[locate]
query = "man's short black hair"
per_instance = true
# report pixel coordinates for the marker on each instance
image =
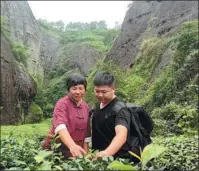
(76, 79)
(103, 78)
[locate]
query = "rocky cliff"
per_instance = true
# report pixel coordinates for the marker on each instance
(50, 50)
(24, 30)
(149, 18)
(17, 87)
(46, 51)
(78, 56)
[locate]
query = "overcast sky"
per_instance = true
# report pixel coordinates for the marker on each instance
(80, 11)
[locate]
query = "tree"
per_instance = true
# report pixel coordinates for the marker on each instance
(60, 25)
(102, 24)
(93, 25)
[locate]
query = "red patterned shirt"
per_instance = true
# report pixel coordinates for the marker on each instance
(74, 117)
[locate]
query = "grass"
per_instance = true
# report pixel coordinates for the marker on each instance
(26, 130)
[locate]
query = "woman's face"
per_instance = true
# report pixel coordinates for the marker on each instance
(77, 92)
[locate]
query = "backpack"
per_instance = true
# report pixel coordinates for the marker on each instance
(140, 121)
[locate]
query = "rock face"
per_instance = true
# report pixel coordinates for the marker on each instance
(17, 87)
(78, 56)
(151, 17)
(50, 50)
(25, 30)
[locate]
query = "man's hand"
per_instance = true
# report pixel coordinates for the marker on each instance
(101, 154)
(76, 151)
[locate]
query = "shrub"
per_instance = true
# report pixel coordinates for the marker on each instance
(48, 110)
(172, 84)
(150, 55)
(174, 118)
(18, 152)
(131, 87)
(182, 154)
(20, 53)
(35, 114)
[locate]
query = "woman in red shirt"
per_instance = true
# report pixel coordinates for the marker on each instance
(71, 119)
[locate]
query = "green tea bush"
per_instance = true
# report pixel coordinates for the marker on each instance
(35, 114)
(175, 118)
(18, 152)
(182, 154)
(23, 153)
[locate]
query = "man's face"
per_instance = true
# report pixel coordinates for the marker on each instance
(104, 93)
(77, 92)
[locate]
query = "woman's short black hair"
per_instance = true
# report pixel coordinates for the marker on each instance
(76, 79)
(103, 78)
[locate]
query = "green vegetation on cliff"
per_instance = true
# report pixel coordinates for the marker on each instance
(20, 52)
(171, 90)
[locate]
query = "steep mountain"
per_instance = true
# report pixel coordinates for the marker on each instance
(156, 45)
(17, 86)
(29, 52)
(149, 18)
(24, 30)
(155, 57)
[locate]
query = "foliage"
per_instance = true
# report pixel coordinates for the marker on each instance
(186, 41)
(182, 153)
(117, 165)
(29, 156)
(52, 27)
(5, 31)
(35, 114)
(48, 110)
(86, 26)
(150, 151)
(20, 52)
(109, 35)
(175, 118)
(26, 130)
(60, 26)
(17, 153)
(56, 89)
(131, 86)
(98, 45)
(101, 39)
(150, 55)
(173, 84)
